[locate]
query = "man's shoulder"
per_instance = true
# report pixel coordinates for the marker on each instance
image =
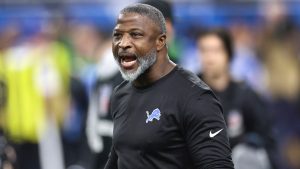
(120, 92)
(123, 86)
(191, 81)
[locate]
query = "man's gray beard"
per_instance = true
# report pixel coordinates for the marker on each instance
(144, 63)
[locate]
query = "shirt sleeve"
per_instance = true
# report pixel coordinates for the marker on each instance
(112, 162)
(206, 133)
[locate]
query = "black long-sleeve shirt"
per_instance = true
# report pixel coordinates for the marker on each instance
(175, 123)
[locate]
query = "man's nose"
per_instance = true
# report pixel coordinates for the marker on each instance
(125, 42)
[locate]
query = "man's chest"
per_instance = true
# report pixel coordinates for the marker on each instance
(147, 123)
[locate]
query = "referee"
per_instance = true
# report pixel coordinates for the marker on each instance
(164, 116)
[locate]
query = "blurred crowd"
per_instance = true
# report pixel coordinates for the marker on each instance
(57, 75)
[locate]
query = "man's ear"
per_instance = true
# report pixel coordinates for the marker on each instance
(161, 42)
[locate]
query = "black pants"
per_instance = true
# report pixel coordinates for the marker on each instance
(27, 156)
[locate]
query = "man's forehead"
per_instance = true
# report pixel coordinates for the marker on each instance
(131, 17)
(134, 19)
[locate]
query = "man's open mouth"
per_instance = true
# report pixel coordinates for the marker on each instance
(128, 61)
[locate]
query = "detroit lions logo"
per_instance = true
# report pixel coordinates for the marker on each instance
(154, 115)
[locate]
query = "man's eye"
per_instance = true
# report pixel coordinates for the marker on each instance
(116, 35)
(136, 34)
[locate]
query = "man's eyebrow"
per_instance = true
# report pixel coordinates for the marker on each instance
(130, 30)
(136, 29)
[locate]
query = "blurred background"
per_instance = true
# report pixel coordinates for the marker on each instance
(57, 73)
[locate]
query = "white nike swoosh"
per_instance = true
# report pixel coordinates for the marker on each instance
(211, 135)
